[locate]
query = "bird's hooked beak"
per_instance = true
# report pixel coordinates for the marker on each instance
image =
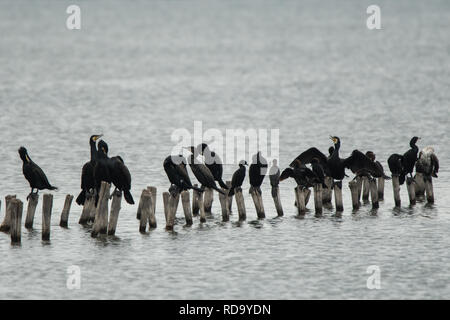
(95, 138)
(333, 139)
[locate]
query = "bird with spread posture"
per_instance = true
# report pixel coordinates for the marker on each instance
(317, 169)
(238, 177)
(257, 171)
(87, 172)
(175, 168)
(201, 171)
(371, 155)
(34, 174)
(428, 162)
(274, 175)
(303, 176)
(213, 162)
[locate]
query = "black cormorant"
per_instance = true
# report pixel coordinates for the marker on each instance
(410, 157)
(101, 168)
(428, 162)
(395, 163)
(201, 171)
(257, 171)
(274, 175)
(87, 173)
(213, 162)
(303, 176)
(238, 177)
(318, 171)
(175, 168)
(371, 155)
(120, 177)
(333, 165)
(34, 174)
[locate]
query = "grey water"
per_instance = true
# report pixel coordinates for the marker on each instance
(137, 71)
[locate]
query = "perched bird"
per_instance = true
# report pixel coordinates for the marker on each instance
(371, 155)
(274, 175)
(34, 174)
(87, 173)
(201, 171)
(175, 168)
(318, 171)
(428, 162)
(303, 176)
(120, 177)
(410, 157)
(213, 162)
(101, 168)
(395, 163)
(334, 166)
(238, 177)
(257, 171)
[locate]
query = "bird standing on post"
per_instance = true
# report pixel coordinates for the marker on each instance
(257, 171)
(238, 177)
(34, 174)
(176, 171)
(213, 163)
(274, 175)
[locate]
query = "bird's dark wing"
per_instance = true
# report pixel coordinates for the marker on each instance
(435, 163)
(306, 157)
(40, 177)
(359, 161)
(183, 174)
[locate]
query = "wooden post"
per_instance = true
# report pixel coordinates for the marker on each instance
(359, 183)
(230, 198)
(307, 196)
(277, 201)
(410, 186)
(420, 184)
(353, 185)
(223, 198)
(16, 208)
(208, 200)
(202, 207)
(429, 189)
(300, 200)
(195, 206)
(65, 212)
(318, 199)
(146, 206)
(396, 189)
(173, 203)
(31, 209)
(166, 196)
(366, 189)
(381, 188)
(6, 224)
(114, 213)
(374, 193)
(327, 192)
(257, 200)
(152, 215)
(92, 209)
(239, 197)
(338, 196)
(101, 214)
(88, 207)
(186, 207)
(47, 206)
(139, 209)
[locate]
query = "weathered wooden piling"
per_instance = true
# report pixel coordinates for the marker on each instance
(359, 182)
(114, 213)
(31, 210)
(208, 198)
(381, 188)
(145, 210)
(353, 185)
(338, 196)
(429, 189)
(16, 208)
(240, 203)
(374, 193)
(328, 191)
(307, 196)
(277, 201)
(6, 224)
(139, 208)
(195, 206)
(152, 215)
(202, 207)
(410, 186)
(92, 209)
(101, 214)
(223, 198)
(171, 211)
(230, 198)
(63, 222)
(185, 201)
(47, 207)
(420, 185)
(88, 207)
(257, 200)
(318, 202)
(365, 189)
(166, 196)
(300, 200)
(396, 189)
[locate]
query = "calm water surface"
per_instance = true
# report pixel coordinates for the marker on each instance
(138, 71)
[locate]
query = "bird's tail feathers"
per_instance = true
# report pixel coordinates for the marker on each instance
(222, 184)
(81, 198)
(128, 196)
(219, 191)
